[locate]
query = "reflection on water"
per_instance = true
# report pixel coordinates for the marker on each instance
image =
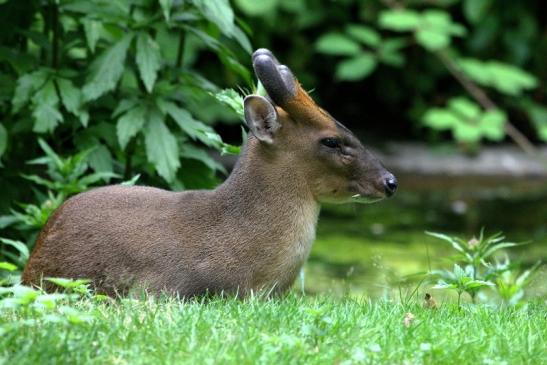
(369, 249)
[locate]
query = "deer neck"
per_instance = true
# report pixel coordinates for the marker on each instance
(267, 187)
(269, 197)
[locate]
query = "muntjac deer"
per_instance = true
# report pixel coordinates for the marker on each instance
(253, 232)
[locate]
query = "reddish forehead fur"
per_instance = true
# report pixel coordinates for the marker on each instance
(302, 108)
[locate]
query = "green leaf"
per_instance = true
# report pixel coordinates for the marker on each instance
(100, 159)
(443, 285)
(337, 44)
(242, 39)
(436, 19)
(506, 78)
(95, 178)
(454, 242)
(525, 277)
(21, 248)
(24, 294)
(499, 246)
(68, 283)
(92, 30)
(440, 21)
(219, 12)
(3, 140)
(399, 20)
(132, 181)
(161, 146)
(364, 34)
(72, 100)
(465, 108)
(257, 8)
(492, 124)
(40, 181)
(475, 70)
(193, 128)
(356, 68)
(233, 99)
(7, 220)
(467, 132)
(440, 119)
(107, 69)
(192, 152)
(388, 51)
(54, 157)
(228, 149)
(474, 284)
(432, 40)
(538, 115)
(129, 124)
(148, 59)
(46, 113)
(7, 266)
(510, 79)
(475, 10)
(457, 30)
(166, 8)
(26, 86)
(70, 95)
(124, 106)
(459, 272)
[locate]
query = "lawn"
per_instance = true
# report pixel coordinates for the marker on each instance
(296, 330)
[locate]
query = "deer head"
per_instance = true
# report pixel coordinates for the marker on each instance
(288, 124)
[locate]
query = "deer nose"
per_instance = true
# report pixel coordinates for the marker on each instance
(390, 185)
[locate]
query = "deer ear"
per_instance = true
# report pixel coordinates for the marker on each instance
(261, 118)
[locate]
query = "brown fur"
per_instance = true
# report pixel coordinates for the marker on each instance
(253, 232)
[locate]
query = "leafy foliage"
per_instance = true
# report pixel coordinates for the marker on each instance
(510, 283)
(119, 88)
(467, 121)
(478, 270)
(433, 28)
(43, 307)
(366, 49)
(394, 54)
(103, 73)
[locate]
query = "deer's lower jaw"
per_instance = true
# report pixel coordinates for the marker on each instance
(356, 198)
(363, 199)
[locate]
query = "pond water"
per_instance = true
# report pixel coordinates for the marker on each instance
(374, 250)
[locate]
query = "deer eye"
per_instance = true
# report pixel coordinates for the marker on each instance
(331, 142)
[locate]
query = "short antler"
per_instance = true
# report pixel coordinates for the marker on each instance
(283, 88)
(277, 79)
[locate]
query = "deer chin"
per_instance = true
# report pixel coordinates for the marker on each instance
(364, 199)
(356, 198)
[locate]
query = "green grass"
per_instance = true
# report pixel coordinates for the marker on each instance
(291, 330)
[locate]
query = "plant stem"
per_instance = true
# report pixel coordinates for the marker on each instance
(459, 298)
(45, 32)
(482, 98)
(55, 41)
(129, 152)
(182, 36)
